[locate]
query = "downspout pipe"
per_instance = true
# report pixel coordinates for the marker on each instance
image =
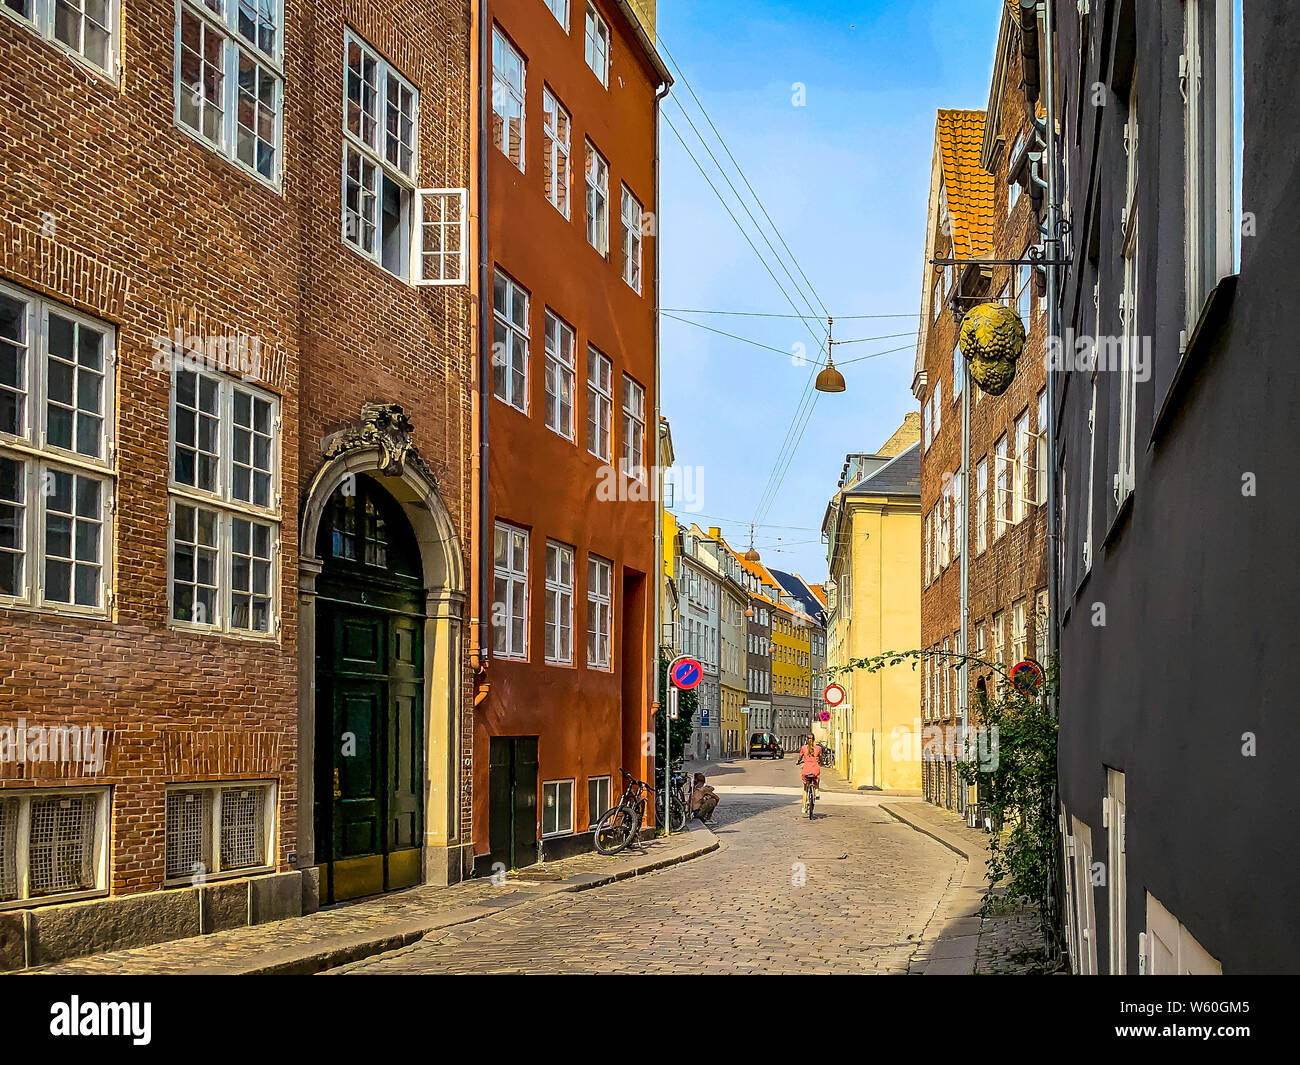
(658, 694)
(484, 349)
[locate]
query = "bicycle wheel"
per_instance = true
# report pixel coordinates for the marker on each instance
(812, 797)
(679, 816)
(614, 831)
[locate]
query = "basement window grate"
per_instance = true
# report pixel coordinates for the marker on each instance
(8, 849)
(61, 845)
(217, 828)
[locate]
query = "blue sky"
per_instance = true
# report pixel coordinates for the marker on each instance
(845, 178)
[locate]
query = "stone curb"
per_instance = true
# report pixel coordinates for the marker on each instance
(954, 844)
(343, 950)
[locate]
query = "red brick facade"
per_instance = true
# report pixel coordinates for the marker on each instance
(113, 209)
(1010, 570)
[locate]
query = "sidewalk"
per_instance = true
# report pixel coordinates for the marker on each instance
(966, 943)
(352, 931)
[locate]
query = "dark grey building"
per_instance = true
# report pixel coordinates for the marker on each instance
(1176, 460)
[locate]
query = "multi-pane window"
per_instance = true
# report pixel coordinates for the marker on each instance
(1019, 632)
(555, 156)
(57, 409)
(219, 828)
(559, 376)
(230, 78)
(1126, 454)
(559, 604)
(224, 503)
(596, 47)
(1040, 446)
(632, 222)
(981, 505)
(600, 599)
(1002, 474)
(382, 204)
(600, 403)
(89, 29)
(53, 843)
(508, 71)
(510, 592)
(633, 428)
(560, 9)
(936, 410)
(597, 200)
(1024, 291)
(925, 550)
(958, 372)
(510, 342)
(557, 807)
(925, 427)
(598, 798)
(999, 627)
(1210, 79)
(945, 523)
(1026, 480)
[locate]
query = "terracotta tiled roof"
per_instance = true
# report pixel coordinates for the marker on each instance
(969, 187)
(820, 592)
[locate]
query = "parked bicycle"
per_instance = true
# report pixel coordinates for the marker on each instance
(827, 756)
(621, 825)
(679, 803)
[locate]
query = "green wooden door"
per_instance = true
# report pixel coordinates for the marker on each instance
(369, 809)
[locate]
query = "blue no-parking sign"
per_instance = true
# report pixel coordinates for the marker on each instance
(686, 673)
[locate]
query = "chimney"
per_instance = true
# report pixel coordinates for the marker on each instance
(715, 532)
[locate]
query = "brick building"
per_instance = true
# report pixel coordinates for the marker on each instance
(981, 207)
(237, 575)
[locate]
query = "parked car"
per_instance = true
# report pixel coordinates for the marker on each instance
(764, 745)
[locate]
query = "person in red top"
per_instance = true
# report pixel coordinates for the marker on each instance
(810, 764)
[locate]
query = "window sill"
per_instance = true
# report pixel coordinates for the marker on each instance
(226, 874)
(276, 186)
(268, 638)
(1121, 513)
(507, 403)
(61, 611)
(1207, 330)
(53, 900)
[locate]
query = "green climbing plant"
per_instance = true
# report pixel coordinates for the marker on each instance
(1016, 785)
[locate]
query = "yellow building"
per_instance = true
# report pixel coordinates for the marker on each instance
(873, 528)
(791, 673)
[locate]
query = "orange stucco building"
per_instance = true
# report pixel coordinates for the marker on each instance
(570, 112)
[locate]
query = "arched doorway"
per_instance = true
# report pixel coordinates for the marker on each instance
(370, 616)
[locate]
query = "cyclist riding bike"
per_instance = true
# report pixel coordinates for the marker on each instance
(810, 766)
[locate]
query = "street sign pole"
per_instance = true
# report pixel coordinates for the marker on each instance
(687, 678)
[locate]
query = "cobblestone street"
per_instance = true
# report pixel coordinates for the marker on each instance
(852, 891)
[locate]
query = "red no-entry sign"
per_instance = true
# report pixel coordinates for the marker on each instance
(834, 695)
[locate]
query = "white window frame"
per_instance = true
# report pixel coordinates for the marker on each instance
(560, 341)
(1003, 486)
(1092, 468)
(1024, 290)
(600, 404)
(515, 574)
(596, 169)
(227, 507)
(557, 166)
(958, 371)
(559, 605)
(633, 453)
(41, 459)
(513, 331)
(1041, 453)
(603, 783)
(1212, 205)
(981, 505)
(998, 624)
(374, 154)
(505, 92)
(1126, 456)
(558, 830)
(632, 215)
(41, 21)
(597, 44)
(441, 215)
(1019, 630)
(600, 603)
(218, 790)
(24, 798)
(234, 46)
(1025, 481)
(560, 9)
